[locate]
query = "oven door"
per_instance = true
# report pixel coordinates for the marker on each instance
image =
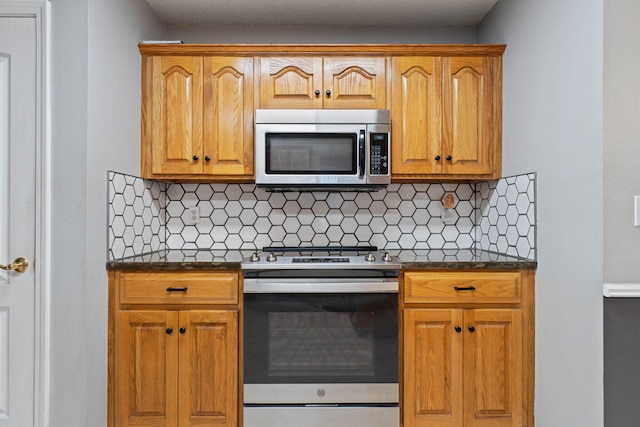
(321, 348)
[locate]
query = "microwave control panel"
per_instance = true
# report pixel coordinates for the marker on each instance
(379, 154)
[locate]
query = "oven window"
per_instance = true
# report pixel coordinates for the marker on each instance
(321, 343)
(311, 153)
(320, 338)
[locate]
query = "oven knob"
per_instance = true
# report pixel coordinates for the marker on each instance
(255, 257)
(272, 257)
(370, 257)
(387, 257)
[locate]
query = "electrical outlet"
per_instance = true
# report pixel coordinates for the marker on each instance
(636, 211)
(448, 216)
(193, 215)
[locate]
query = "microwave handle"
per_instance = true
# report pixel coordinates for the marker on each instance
(361, 149)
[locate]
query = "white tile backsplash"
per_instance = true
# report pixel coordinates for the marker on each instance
(145, 216)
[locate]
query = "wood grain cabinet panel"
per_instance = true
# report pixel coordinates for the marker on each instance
(197, 118)
(175, 123)
(317, 82)
(147, 369)
(446, 117)
(466, 362)
(173, 362)
(432, 359)
(208, 381)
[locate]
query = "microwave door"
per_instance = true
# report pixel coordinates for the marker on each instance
(308, 155)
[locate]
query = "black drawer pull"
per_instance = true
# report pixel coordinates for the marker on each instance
(176, 289)
(464, 288)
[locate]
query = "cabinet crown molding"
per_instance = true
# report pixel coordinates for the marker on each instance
(323, 49)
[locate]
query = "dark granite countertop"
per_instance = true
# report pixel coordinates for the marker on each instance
(186, 259)
(415, 259)
(460, 259)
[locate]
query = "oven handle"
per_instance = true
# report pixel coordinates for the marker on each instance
(320, 286)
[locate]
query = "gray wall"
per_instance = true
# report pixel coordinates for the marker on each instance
(95, 127)
(318, 34)
(621, 140)
(553, 125)
(621, 183)
(96, 116)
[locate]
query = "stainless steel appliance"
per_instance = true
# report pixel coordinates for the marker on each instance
(321, 338)
(311, 149)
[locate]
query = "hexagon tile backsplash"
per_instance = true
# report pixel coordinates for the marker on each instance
(146, 216)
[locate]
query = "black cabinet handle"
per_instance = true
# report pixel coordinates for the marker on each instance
(195, 157)
(169, 331)
(183, 330)
(207, 158)
(328, 92)
(317, 92)
(458, 329)
(449, 158)
(464, 288)
(471, 329)
(438, 157)
(176, 289)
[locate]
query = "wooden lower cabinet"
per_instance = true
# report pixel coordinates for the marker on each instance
(467, 363)
(172, 365)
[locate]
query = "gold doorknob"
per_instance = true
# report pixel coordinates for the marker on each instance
(19, 264)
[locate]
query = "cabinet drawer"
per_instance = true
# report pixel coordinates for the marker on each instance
(462, 287)
(179, 288)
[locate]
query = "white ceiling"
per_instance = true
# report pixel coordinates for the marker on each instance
(324, 12)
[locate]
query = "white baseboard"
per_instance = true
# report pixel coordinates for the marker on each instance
(621, 290)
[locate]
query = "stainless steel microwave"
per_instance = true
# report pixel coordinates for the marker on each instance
(323, 149)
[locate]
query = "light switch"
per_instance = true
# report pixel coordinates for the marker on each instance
(636, 211)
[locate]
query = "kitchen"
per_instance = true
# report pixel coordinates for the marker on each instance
(526, 148)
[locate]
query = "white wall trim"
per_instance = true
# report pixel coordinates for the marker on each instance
(40, 11)
(621, 290)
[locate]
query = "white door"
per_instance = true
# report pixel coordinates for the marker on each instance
(17, 219)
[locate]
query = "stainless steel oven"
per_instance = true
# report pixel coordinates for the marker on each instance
(321, 339)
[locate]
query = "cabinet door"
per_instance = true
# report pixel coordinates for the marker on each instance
(176, 118)
(432, 365)
(416, 110)
(208, 368)
(353, 82)
(228, 116)
(468, 115)
(147, 368)
(291, 82)
(493, 368)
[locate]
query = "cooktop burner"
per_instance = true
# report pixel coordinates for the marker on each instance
(320, 257)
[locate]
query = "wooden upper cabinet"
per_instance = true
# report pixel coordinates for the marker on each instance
(416, 116)
(330, 82)
(290, 82)
(199, 101)
(228, 116)
(468, 102)
(197, 119)
(175, 122)
(354, 82)
(446, 118)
